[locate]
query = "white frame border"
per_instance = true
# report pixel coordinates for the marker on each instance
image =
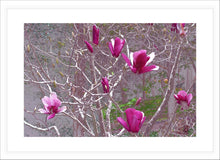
(15, 154)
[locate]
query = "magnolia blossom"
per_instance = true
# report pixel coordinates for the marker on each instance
(139, 61)
(89, 46)
(178, 28)
(183, 99)
(105, 85)
(135, 119)
(138, 101)
(95, 35)
(51, 105)
(116, 46)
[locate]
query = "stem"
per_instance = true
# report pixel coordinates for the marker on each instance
(98, 104)
(43, 129)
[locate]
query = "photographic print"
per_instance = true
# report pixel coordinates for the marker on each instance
(109, 80)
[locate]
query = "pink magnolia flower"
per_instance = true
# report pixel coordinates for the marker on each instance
(105, 85)
(116, 46)
(95, 35)
(89, 46)
(135, 119)
(174, 27)
(178, 28)
(183, 99)
(139, 61)
(51, 105)
(138, 101)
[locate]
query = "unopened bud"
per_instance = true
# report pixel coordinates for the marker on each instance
(57, 60)
(28, 48)
(54, 83)
(67, 53)
(61, 74)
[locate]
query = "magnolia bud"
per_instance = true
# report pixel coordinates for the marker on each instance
(61, 74)
(67, 53)
(54, 83)
(57, 60)
(28, 48)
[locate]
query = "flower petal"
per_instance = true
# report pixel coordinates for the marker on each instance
(132, 119)
(136, 121)
(130, 114)
(41, 110)
(111, 48)
(149, 68)
(189, 98)
(55, 102)
(113, 43)
(131, 57)
(134, 70)
(140, 59)
(62, 109)
(118, 46)
(182, 95)
(53, 95)
(126, 59)
(123, 123)
(51, 116)
(46, 101)
(151, 57)
(176, 97)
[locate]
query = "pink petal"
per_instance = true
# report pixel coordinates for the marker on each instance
(139, 115)
(111, 47)
(123, 123)
(176, 97)
(51, 116)
(129, 114)
(55, 102)
(133, 117)
(62, 109)
(53, 95)
(133, 69)
(126, 59)
(118, 46)
(189, 98)
(46, 101)
(140, 59)
(182, 95)
(151, 57)
(41, 110)
(149, 68)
